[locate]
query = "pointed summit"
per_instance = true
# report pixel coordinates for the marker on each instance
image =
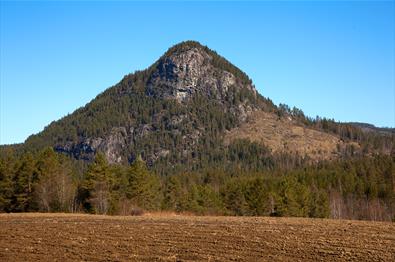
(190, 68)
(185, 46)
(216, 59)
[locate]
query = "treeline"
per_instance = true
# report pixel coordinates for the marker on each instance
(361, 188)
(51, 182)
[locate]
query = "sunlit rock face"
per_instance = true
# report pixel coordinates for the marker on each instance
(181, 75)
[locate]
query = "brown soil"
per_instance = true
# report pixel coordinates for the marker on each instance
(63, 237)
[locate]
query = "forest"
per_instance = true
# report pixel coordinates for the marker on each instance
(358, 188)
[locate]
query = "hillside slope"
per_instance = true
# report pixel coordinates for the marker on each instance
(287, 135)
(186, 110)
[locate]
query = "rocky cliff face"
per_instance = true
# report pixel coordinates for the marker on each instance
(183, 74)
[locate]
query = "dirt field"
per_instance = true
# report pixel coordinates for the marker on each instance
(61, 237)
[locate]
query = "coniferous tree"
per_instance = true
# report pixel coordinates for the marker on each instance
(319, 205)
(7, 166)
(24, 181)
(144, 187)
(257, 197)
(173, 195)
(97, 186)
(234, 199)
(45, 189)
(54, 190)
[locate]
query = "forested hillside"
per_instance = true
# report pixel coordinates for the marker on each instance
(192, 134)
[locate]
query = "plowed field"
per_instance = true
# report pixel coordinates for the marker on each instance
(64, 237)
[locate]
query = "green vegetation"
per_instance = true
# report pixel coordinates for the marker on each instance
(361, 188)
(128, 106)
(174, 158)
(173, 136)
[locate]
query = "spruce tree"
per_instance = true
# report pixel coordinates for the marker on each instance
(144, 187)
(24, 181)
(6, 185)
(97, 186)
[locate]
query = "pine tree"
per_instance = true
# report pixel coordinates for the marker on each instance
(234, 199)
(24, 181)
(319, 205)
(257, 197)
(55, 190)
(97, 186)
(45, 189)
(288, 205)
(144, 187)
(173, 194)
(6, 186)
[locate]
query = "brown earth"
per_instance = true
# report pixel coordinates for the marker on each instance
(67, 237)
(285, 134)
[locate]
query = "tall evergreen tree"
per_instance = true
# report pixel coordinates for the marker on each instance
(54, 190)
(144, 187)
(97, 186)
(24, 181)
(7, 169)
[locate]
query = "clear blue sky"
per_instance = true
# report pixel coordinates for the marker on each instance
(333, 59)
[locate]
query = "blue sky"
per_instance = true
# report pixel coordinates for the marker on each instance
(333, 59)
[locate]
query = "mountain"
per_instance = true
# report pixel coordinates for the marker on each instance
(200, 139)
(193, 108)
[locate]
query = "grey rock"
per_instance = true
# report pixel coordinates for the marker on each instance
(181, 75)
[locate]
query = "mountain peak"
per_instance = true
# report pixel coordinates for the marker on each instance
(216, 59)
(189, 67)
(185, 46)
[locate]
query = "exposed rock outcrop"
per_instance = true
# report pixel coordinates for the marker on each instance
(181, 75)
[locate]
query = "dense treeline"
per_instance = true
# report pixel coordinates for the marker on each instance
(50, 182)
(362, 188)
